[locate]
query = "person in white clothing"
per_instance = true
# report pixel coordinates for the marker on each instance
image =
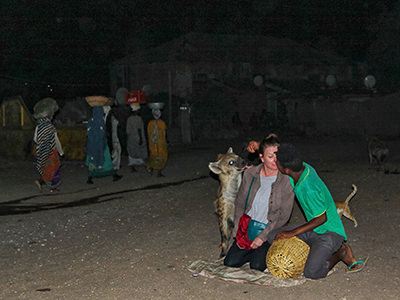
(136, 144)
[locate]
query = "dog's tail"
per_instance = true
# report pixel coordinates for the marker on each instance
(351, 194)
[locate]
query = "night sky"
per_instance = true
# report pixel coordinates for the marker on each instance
(71, 43)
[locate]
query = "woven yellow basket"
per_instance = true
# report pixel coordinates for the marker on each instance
(98, 101)
(286, 258)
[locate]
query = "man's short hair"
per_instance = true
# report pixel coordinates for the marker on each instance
(289, 157)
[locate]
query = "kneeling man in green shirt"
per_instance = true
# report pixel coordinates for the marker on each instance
(324, 231)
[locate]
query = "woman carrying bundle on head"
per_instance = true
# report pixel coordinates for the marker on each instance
(136, 140)
(98, 159)
(157, 136)
(48, 146)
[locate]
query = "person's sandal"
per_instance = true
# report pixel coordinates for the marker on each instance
(361, 265)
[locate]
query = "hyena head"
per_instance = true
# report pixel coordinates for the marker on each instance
(228, 164)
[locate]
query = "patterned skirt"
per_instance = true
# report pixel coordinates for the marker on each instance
(51, 170)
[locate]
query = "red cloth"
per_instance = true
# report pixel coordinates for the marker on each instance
(51, 166)
(241, 235)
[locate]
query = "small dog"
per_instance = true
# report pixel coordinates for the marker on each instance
(343, 208)
(378, 152)
(229, 168)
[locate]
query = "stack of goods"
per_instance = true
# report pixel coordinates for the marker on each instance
(98, 101)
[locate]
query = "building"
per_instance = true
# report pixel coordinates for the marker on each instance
(249, 69)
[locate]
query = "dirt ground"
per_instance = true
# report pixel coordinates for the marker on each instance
(135, 238)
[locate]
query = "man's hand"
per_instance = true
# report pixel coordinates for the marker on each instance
(256, 243)
(253, 146)
(284, 235)
(310, 225)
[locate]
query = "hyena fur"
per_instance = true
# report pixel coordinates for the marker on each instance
(229, 168)
(378, 152)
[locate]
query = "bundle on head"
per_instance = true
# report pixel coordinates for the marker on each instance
(98, 101)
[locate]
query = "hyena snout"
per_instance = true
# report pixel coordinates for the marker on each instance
(239, 164)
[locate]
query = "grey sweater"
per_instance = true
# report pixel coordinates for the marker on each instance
(280, 201)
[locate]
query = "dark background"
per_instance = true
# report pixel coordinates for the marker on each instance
(63, 48)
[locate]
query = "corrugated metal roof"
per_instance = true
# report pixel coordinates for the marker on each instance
(216, 48)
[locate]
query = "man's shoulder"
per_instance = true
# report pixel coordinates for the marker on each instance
(307, 166)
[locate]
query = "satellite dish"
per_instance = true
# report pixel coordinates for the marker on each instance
(330, 80)
(369, 81)
(258, 80)
(120, 95)
(147, 89)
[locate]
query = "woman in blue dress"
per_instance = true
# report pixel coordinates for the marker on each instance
(98, 157)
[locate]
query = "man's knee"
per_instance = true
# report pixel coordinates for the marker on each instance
(316, 271)
(313, 275)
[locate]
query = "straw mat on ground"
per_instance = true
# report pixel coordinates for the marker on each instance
(244, 274)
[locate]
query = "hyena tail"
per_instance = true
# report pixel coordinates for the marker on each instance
(351, 194)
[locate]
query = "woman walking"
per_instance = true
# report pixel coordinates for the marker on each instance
(137, 148)
(48, 146)
(157, 136)
(98, 159)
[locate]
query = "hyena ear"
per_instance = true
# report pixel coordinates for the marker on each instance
(214, 167)
(230, 150)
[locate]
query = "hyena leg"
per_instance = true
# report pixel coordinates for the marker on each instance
(226, 235)
(370, 157)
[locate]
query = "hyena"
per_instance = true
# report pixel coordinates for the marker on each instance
(229, 168)
(378, 152)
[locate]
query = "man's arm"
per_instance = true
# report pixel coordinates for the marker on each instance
(312, 224)
(253, 146)
(35, 135)
(58, 145)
